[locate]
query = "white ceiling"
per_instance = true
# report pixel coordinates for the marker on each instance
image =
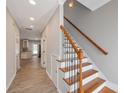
(93, 4)
(21, 10)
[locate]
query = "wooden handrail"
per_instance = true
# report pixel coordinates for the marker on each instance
(88, 38)
(69, 38)
(80, 56)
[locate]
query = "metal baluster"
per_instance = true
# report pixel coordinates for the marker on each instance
(66, 59)
(68, 54)
(66, 48)
(74, 73)
(72, 62)
(77, 70)
(76, 62)
(69, 63)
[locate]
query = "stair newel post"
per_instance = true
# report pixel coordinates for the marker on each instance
(80, 56)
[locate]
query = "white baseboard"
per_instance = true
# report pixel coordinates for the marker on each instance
(13, 77)
(52, 81)
(49, 75)
(59, 90)
(112, 86)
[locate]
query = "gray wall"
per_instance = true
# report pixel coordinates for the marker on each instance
(101, 26)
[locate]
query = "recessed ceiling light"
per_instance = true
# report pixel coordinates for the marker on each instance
(31, 26)
(71, 4)
(32, 2)
(32, 18)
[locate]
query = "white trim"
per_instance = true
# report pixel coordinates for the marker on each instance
(112, 86)
(52, 81)
(59, 90)
(53, 55)
(49, 75)
(13, 77)
(98, 89)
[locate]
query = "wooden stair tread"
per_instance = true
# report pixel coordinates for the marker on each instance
(91, 86)
(74, 79)
(107, 90)
(74, 67)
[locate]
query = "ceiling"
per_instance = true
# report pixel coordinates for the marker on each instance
(93, 4)
(22, 10)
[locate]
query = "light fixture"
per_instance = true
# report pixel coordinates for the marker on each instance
(31, 26)
(71, 3)
(32, 2)
(32, 18)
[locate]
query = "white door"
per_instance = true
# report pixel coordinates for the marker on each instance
(43, 52)
(54, 70)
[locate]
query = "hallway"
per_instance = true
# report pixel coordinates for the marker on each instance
(31, 78)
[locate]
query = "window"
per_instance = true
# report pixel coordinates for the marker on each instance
(35, 48)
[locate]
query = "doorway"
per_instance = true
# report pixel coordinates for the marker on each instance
(35, 49)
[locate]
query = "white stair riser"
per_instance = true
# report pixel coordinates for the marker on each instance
(63, 64)
(85, 81)
(74, 72)
(69, 52)
(67, 45)
(65, 41)
(70, 48)
(69, 55)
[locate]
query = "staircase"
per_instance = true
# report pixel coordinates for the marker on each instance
(79, 75)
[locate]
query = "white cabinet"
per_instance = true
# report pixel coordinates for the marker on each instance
(26, 55)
